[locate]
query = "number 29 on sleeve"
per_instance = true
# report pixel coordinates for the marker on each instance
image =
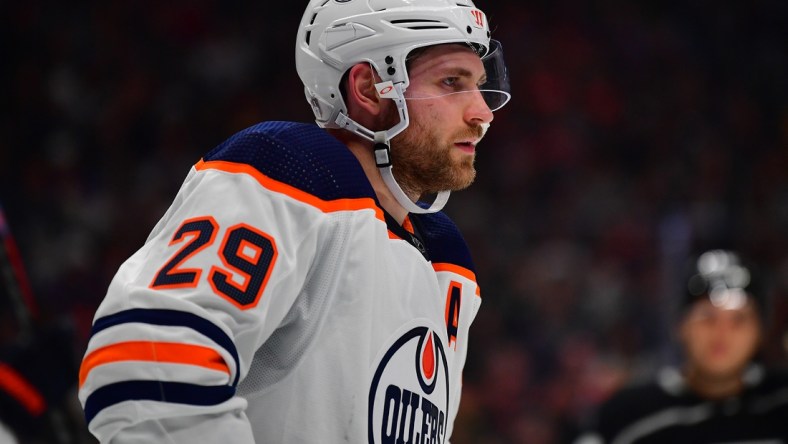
(247, 254)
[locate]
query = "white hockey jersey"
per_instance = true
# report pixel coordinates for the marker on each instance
(276, 302)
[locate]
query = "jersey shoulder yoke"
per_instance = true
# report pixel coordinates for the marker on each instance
(301, 155)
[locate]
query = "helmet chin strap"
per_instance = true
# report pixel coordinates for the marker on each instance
(382, 148)
(383, 161)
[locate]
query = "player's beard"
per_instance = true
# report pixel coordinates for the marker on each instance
(425, 163)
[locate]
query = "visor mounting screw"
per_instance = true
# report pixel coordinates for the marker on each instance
(389, 60)
(391, 70)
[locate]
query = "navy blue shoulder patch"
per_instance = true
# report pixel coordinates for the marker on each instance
(301, 155)
(444, 240)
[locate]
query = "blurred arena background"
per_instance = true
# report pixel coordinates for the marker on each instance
(638, 132)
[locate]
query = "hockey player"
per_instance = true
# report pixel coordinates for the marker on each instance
(295, 291)
(721, 395)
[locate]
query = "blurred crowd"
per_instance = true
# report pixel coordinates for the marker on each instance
(638, 133)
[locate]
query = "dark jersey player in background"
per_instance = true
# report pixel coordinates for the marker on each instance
(721, 394)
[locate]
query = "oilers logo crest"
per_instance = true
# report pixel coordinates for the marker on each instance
(409, 393)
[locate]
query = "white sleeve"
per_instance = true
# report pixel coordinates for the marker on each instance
(589, 438)
(6, 437)
(185, 314)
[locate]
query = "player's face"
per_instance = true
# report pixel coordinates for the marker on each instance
(720, 342)
(447, 112)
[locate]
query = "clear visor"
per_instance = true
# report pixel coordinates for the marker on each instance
(495, 90)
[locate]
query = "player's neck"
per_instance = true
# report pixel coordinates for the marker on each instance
(714, 387)
(362, 149)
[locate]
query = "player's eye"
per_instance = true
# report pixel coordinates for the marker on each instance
(451, 81)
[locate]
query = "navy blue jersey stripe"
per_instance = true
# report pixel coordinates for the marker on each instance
(174, 392)
(444, 240)
(176, 319)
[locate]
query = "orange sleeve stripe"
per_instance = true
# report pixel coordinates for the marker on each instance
(408, 225)
(172, 353)
(327, 206)
(20, 389)
(462, 271)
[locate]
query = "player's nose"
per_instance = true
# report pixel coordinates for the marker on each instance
(478, 111)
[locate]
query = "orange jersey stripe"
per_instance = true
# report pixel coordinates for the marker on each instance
(153, 351)
(462, 271)
(17, 386)
(326, 206)
(408, 225)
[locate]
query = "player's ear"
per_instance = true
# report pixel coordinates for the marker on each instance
(361, 93)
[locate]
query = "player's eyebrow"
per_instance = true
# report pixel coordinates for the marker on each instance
(464, 72)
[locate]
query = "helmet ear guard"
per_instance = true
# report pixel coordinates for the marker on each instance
(335, 35)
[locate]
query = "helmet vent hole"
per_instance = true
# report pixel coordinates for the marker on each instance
(417, 24)
(469, 29)
(392, 70)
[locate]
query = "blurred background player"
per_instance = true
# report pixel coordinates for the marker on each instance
(721, 393)
(37, 365)
(295, 291)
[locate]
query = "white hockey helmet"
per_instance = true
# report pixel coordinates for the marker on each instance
(335, 35)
